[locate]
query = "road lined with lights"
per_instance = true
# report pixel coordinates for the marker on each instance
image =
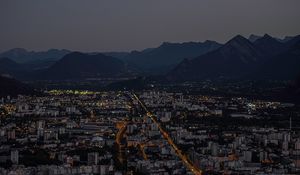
(119, 137)
(179, 153)
(120, 133)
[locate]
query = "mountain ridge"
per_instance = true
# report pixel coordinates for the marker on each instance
(167, 55)
(77, 65)
(237, 58)
(21, 55)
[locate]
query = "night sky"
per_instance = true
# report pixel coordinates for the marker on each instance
(111, 25)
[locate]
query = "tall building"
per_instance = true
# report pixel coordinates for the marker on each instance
(93, 158)
(11, 134)
(14, 156)
(40, 124)
(248, 156)
(40, 133)
(215, 149)
(290, 123)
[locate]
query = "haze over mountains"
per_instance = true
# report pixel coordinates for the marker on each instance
(21, 55)
(284, 65)
(237, 57)
(163, 58)
(240, 58)
(253, 38)
(258, 57)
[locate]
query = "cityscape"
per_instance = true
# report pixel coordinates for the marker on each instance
(147, 132)
(142, 87)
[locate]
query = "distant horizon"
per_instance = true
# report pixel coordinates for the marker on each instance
(106, 26)
(45, 50)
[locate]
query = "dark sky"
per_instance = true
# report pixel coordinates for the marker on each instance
(121, 25)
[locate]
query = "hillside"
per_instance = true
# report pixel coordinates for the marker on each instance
(265, 58)
(77, 65)
(167, 56)
(236, 58)
(12, 87)
(21, 55)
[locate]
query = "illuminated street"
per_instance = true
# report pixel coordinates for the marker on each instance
(183, 157)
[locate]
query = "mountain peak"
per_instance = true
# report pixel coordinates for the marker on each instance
(267, 36)
(237, 39)
(210, 42)
(77, 65)
(266, 39)
(238, 42)
(268, 45)
(241, 49)
(253, 37)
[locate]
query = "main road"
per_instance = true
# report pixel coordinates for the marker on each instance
(119, 138)
(179, 153)
(121, 132)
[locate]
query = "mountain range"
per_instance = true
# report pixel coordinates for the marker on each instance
(21, 55)
(285, 65)
(255, 58)
(236, 58)
(149, 61)
(165, 57)
(253, 38)
(78, 65)
(239, 58)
